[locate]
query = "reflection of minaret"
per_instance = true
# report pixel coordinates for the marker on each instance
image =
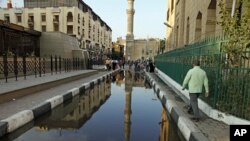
(130, 28)
(128, 111)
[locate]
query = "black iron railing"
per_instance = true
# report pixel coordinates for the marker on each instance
(16, 67)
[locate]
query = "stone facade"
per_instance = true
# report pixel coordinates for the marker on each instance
(191, 21)
(146, 48)
(74, 18)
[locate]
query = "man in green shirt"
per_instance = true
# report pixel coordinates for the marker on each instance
(195, 79)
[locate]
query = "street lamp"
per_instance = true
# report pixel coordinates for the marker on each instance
(233, 8)
(167, 24)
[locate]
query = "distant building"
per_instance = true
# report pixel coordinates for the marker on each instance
(119, 46)
(139, 48)
(72, 17)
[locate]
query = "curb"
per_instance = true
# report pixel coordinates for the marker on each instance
(189, 131)
(39, 87)
(21, 118)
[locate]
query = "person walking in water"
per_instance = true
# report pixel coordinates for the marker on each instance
(195, 79)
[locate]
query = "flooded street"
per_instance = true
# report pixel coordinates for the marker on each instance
(124, 108)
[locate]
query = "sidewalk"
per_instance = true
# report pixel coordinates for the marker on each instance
(206, 129)
(57, 85)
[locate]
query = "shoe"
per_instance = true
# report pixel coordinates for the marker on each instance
(195, 119)
(190, 111)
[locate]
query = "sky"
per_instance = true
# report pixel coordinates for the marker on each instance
(148, 19)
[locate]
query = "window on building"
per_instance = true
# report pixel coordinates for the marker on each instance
(7, 17)
(56, 19)
(83, 21)
(79, 18)
(198, 27)
(78, 30)
(31, 18)
(43, 28)
(43, 18)
(70, 17)
(70, 29)
(31, 21)
(83, 34)
(56, 27)
(19, 18)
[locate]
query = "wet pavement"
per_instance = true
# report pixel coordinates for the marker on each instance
(27, 102)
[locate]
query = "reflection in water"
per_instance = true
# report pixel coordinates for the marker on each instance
(70, 115)
(167, 130)
(137, 80)
(76, 113)
(112, 122)
(128, 111)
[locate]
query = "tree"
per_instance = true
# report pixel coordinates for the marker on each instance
(162, 45)
(237, 31)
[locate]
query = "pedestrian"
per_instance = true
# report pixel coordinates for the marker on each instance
(107, 64)
(195, 79)
(151, 66)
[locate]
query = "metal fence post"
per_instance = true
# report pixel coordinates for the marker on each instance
(51, 64)
(60, 65)
(40, 68)
(35, 67)
(44, 66)
(56, 64)
(24, 65)
(15, 65)
(5, 66)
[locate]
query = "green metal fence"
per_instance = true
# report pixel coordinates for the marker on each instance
(229, 87)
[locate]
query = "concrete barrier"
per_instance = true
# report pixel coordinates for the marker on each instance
(67, 96)
(18, 120)
(75, 91)
(3, 128)
(55, 101)
(41, 109)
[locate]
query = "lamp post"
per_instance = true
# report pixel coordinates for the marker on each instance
(167, 24)
(233, 8)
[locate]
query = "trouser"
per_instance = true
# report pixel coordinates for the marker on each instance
(194, 103)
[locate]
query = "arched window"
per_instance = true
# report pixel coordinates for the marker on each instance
(198, 27)
(211, 18)
(79, 18)
(83, 21)
(69, 17)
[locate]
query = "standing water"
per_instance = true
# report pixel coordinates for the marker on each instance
(125, 109)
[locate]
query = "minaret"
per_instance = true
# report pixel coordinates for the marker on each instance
(9, 4)
(130, 28)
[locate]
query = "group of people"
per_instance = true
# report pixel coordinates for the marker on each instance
(142, 64)
(114, 64)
